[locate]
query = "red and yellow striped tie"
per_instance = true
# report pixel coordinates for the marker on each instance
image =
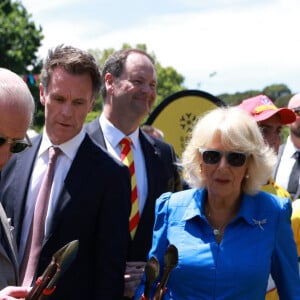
(127, 159)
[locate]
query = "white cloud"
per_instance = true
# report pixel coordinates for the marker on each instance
(249, 47)
(37, 6)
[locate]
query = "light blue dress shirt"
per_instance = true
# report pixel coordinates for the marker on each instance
(257, 242)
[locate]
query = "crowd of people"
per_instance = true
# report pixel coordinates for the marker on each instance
(115, 186)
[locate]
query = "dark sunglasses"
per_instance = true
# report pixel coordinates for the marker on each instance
(234, 159)
(296, 110)
(16, 146)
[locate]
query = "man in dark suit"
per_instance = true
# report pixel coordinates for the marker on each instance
(288, 163)
(16, 112)
(129, 92)
(90, 195)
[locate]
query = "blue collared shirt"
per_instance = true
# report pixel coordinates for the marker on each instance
(257, 242)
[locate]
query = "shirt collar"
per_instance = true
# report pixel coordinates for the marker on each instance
(114, 135)
(290, 148)
(69, 148)
(197, 205)
(248, 210)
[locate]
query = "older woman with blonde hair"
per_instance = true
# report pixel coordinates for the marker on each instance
(230, 235)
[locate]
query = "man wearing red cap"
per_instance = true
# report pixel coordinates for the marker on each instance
(270, 119)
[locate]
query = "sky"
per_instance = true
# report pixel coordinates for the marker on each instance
(219, 46)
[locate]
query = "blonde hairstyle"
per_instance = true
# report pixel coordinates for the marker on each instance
(239, 132)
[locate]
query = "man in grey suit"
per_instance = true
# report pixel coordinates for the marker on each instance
(16, 112)
(90, 195)
(129, 92)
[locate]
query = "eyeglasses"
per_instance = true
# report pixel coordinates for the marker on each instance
(16, 146)
(213, 157)
(296, 110)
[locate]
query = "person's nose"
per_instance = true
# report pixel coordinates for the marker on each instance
(223, 162)
(67, 109)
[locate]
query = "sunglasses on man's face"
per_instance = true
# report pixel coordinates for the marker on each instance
(213, 157)
(16, 146)
(296, 110)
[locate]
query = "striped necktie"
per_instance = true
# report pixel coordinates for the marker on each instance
(127, 159)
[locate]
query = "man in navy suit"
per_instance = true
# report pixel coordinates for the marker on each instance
(90, 196)
(129, 92)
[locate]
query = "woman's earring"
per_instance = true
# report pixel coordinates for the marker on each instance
(247, 176)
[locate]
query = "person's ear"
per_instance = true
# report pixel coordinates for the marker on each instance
(109, 80)
(42, 95)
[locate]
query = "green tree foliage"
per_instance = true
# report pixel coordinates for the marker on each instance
(275, 91)
(19, 37)
(278, 93)
(20, 40)
(235, 99)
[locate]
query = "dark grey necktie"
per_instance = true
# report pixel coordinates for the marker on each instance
(294, 176)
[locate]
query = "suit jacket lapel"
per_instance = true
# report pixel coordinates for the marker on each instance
(151, 154)
(279, 155)
(24, 165)
(94, 130)
(64, 199)
(72, 183)
(10, 240)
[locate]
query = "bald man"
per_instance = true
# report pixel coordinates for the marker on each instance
(16, 113)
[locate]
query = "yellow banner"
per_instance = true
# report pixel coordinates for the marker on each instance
(176, 115)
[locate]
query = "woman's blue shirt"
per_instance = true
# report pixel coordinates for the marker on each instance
(257, 242)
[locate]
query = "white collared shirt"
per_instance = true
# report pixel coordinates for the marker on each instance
(286, 164)
(62, 166)
(112, 137)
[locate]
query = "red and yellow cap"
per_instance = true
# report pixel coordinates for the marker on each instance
(262, 108)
